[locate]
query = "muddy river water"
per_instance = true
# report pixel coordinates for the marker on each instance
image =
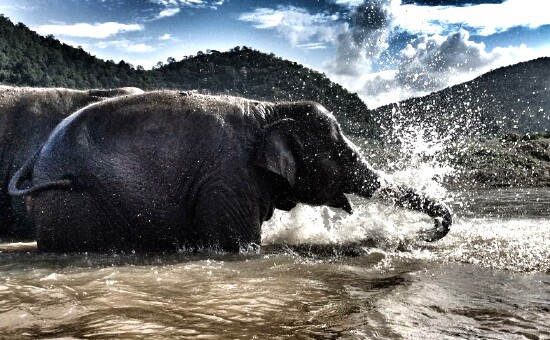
(489, 278)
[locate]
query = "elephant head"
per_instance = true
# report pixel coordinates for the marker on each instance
(312, 162)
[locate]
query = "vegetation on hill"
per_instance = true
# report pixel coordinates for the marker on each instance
(508, 161)
(29, 59)
(509, 99)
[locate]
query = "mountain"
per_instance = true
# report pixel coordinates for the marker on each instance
(509, 99)
(29, 59)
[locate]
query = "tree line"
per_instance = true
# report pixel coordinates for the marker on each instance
(28, 59)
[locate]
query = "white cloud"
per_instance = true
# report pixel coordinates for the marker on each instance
(348, 3)
(165, 37)
(168, 12)
(126, 45)
(487, 19)
(85, 30)
(188, 3)
(173, 7)
(365, 38)
(294, 23)
(439, 54)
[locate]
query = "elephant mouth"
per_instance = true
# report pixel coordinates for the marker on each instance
(340, 201)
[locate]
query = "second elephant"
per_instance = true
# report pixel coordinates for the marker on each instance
(27, 117)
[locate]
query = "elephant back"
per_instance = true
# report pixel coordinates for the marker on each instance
(306, 112)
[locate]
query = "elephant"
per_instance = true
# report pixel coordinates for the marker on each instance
(27, 116)
(168, 170)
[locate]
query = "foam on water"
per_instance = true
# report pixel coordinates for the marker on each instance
(376, 222)
(511, 244)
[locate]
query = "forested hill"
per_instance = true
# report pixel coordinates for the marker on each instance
(29, 59)
(509, 99)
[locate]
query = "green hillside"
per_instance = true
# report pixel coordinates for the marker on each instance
(28, 59)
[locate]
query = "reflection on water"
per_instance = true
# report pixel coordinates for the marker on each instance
(489, 278)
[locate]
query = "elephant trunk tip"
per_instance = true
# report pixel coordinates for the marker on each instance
(409, 198)
(443, 220)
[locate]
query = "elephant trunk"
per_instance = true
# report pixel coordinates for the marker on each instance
(368, 182)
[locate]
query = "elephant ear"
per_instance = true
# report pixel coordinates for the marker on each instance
(275, 153)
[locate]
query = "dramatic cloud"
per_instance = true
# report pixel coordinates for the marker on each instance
(428, 62)
(483, 19)
(437, 53)
(84, 30)
(126, 45)
(431, 63)
(365, 38)
(296, 24)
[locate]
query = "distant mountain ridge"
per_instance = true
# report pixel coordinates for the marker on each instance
(514, 98)
(28, 59)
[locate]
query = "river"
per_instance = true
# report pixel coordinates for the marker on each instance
(489, 278)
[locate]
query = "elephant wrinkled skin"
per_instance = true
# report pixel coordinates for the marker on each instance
(27, 117)
(165, 170)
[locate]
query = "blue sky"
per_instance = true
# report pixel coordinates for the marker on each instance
(385, 50)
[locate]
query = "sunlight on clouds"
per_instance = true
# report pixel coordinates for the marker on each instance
(294, 23)
(487, 19)
(428, 69)
(263, 18)
(363, 40)
(84, 30)
(436, 55)
(349, 3)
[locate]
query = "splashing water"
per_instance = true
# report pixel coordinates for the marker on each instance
(372, 220)
(516, 242)
(418, 166)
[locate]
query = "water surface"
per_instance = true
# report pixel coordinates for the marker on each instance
(489, 278)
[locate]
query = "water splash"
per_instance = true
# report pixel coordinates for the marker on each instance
(374, 223)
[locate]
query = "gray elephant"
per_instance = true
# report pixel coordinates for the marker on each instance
(27, 117)
(166, 170)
